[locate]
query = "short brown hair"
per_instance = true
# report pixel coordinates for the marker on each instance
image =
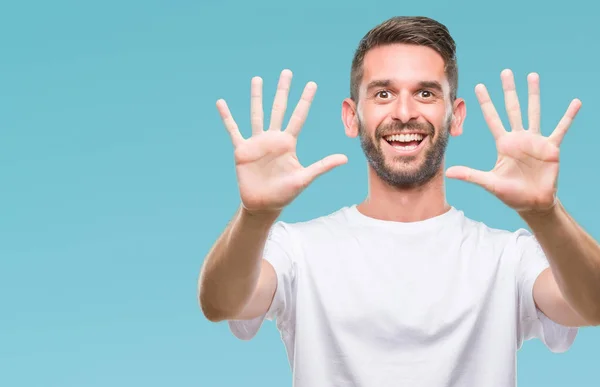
(417, 30)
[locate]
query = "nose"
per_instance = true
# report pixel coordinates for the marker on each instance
(405, 108)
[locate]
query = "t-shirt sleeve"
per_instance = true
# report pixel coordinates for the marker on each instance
(532, 322)
(278, 252)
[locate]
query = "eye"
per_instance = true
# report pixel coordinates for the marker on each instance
(426, 94)
(384, 94)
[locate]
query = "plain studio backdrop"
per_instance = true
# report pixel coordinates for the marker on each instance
(116, 174)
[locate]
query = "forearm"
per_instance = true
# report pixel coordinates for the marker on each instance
(231, 269)
(574, 258)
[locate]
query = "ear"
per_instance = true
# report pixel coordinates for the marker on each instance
(459, 112)
(350, 117)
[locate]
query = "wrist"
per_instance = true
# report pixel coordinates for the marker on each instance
(258, 219)
(541, 215)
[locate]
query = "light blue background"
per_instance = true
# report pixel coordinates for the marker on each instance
(116, 174)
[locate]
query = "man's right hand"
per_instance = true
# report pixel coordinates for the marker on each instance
(268, 171)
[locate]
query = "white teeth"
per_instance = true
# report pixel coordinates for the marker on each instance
(405, 148)
(405, 137)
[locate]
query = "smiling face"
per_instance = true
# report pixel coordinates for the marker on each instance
(404, 114)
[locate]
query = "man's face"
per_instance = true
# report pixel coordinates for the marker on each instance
(404, 113)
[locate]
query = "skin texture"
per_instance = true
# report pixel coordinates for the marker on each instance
(403, 89)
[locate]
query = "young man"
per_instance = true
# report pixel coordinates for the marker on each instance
(403, 289)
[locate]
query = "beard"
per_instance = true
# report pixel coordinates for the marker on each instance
(409, 177)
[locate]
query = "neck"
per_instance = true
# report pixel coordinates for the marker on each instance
(386, 202)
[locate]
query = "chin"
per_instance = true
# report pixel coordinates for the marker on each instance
(406, 174)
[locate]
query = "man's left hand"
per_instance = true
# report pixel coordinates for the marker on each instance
(526, 171)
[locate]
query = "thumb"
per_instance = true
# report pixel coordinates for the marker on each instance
(318, 168)
(470, 175)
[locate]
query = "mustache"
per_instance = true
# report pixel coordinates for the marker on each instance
(398, 127)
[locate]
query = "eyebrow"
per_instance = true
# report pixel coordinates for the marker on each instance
(431, 85)
(378, 83)
(386, 83)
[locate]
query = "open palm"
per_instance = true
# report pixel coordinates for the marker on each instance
(269, 173)
(526, 172)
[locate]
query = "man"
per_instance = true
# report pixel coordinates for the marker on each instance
(403, 289)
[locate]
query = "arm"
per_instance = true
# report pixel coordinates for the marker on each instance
(569, 291)
(235, 282)
(525, 178)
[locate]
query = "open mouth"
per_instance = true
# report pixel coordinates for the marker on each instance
(405, 142)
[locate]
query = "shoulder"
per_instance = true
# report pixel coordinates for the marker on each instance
(293, 238)
(507, 242)
(336, 220)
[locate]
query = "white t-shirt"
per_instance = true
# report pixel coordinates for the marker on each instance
(369, 303)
